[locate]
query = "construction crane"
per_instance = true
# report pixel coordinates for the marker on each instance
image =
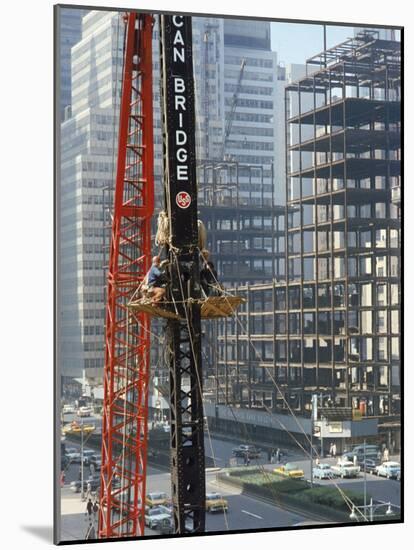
(127, 342)
(233, 107)
(127, 331)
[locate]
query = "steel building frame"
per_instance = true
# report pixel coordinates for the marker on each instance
(334, 323)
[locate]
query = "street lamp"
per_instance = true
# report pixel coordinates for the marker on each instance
(370, 508)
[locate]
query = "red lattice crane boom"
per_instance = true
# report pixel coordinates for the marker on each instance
(127, 343)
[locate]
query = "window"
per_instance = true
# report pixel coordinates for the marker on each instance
(352, 238)
(280, 299)
(365, 239)
(381, 266)
(323, 268)
(309, 269)
(294, 297)
(309, 323)
(339, 268)
(365, 265)
(324, 322)
(339, 295)
(308, 296)
(323, 240)
(381, 238)
(308, 241)
(381, 326)
(324, 296)
(394, 266)
(381, 295)
(366, 322)
(294, 323)
(295, 351)
(280, 323)
(395, 321)
(366, 295)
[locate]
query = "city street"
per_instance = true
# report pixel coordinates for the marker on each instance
(245, 512)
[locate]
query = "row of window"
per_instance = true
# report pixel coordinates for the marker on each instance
(323, 240)
(325, 322)
(364, 294)
(323, 268)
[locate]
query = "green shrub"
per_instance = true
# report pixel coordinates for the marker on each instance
(331, 497)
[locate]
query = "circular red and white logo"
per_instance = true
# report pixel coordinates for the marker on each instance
(183, 199)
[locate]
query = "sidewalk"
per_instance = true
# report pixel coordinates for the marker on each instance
(74, 523)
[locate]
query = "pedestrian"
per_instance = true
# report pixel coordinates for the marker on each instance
(245, 459)
(248, 461)
(269, 455)
(88, 489)
(278, 455)
(89, 507)
(386, 455)
(334, 450)
(330, 449)
(95, 510)
(92, 469)
(355, 460)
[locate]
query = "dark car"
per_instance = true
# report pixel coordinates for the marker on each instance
(246, 450)
(95, 482)
(369, 465)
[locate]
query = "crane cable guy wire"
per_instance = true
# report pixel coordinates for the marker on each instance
(314, 450)
(264, 472)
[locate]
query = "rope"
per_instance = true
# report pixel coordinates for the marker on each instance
(345, 497)
(162, 236)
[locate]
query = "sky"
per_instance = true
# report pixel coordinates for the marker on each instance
(296, 42)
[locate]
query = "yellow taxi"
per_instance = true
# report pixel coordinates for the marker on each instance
(290, 470)
(156, 499)
(216, 503)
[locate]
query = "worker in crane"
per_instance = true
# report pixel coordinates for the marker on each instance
(208, 274)
(156, 281)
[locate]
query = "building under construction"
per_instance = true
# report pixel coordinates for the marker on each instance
(332, 327)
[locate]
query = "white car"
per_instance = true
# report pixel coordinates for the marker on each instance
(73, 454)
(155, 517)
(323, 471)
(390, 470)
(85, 411)
(345, 468)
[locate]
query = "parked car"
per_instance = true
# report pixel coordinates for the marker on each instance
(95, 482)
(390, 470)
(73, 454)
(290, 470)
(85, 411)
(95, 460)
(64, 462)
(156, 499)
(216, 503)
(323, 471)
(370, 451)
(87, 455)
(369, 465)
(156, 516)
(346, 468)
(246, 450)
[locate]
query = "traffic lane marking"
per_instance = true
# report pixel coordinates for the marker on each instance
(250, 514)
